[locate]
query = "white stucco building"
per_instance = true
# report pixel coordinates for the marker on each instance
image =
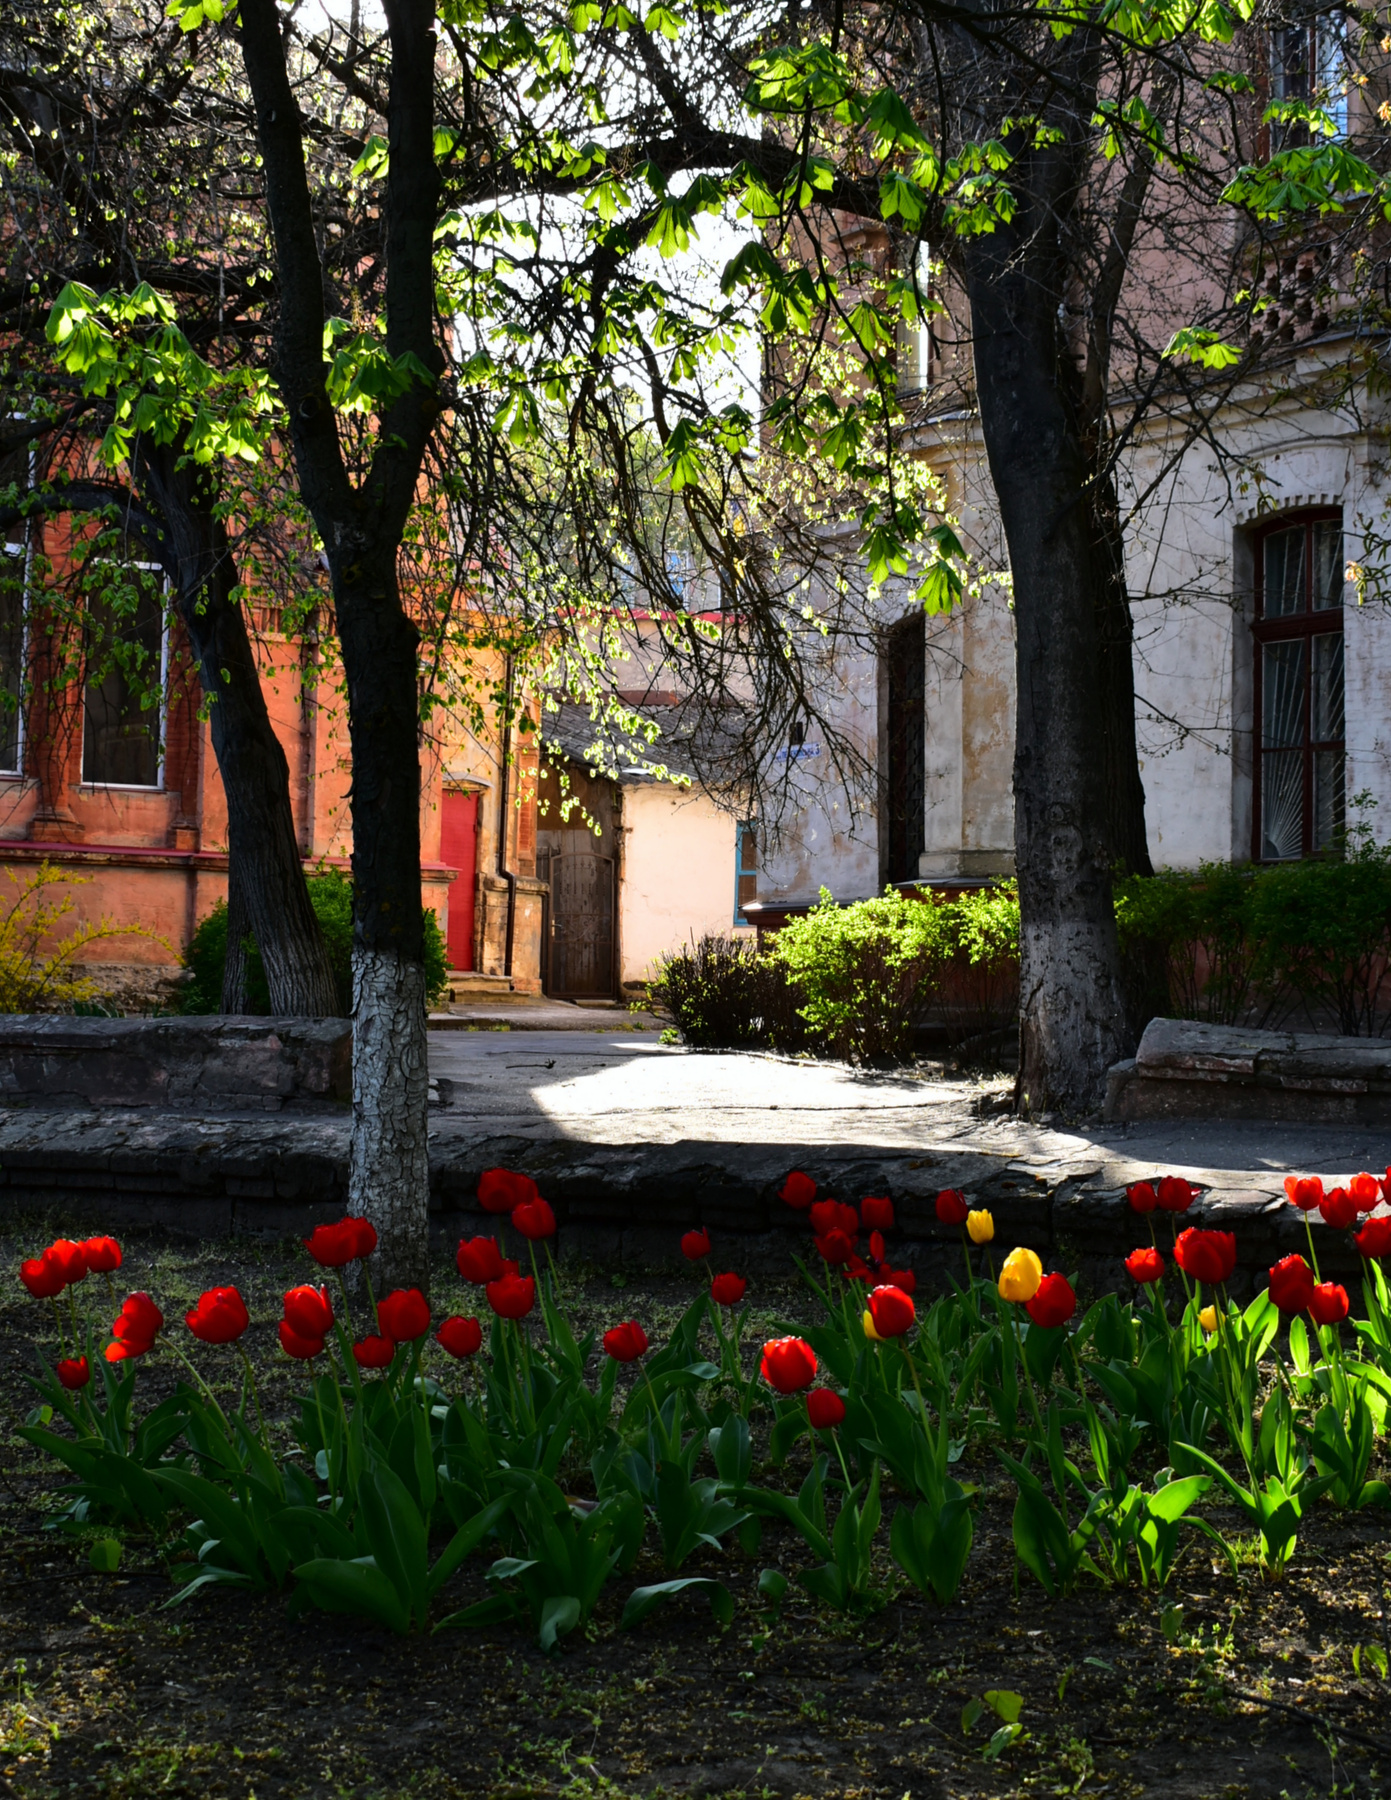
(1261, 668)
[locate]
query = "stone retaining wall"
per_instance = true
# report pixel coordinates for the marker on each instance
(280, 1176)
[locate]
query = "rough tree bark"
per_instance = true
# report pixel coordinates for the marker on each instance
(362, 525)
(1072, 1006)
(268, 887)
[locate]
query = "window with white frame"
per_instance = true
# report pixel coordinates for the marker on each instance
(127, 651)
(1308, 62)
(916, 347)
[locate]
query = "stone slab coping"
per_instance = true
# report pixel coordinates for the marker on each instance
(1184, 1068)
(57, 1061)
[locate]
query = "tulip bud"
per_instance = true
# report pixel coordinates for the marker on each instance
(1207, 1318)
(980, 1227)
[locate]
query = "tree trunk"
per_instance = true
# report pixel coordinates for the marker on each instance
(389, 1180)
(1126, 836)
(1072, 1007)
(235, 997)
(262, 848)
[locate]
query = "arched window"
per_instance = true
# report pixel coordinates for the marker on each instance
(1300, 749)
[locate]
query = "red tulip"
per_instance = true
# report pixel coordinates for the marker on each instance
(857, 1269)
(68, 1259)
(1177, 1195)
(798, 1191)
(1328, 1304)
(479, 1260)
(835, 1248)
(1365, 1190)
(404, 1315)
(625, 1343)
(512, 1296)
(534, 1219)
(1145, 1266)
(1208, 1256)
(373, 1352)
(303, 1349)
(504, 1190)
(831, 1215)
(102, 1254)
(877, 1214)
(876, 1246)
(1374, 1239)
(1339, 1209)
(220, 1316)
(137, 1325)
(1053, 1302)
(1291, 1284)
(825, 1408)
(308, 1311)
(789, 1364)
(1304, 1191)
(460, 1337)
(335, 1246)
(73, 1372)
(1142, 1197)
(899, 1278)
(42, 1276)
(892, 1311)
(951, 1207)
(695, 1245)
(728, 1290)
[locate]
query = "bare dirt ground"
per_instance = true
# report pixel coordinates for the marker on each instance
(107, 1691)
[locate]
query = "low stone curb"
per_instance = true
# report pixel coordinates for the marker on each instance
(278, 1176)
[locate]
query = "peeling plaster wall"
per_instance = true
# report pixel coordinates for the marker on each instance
(1189, 568)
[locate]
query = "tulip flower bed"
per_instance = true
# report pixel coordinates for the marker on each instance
(761, 1471)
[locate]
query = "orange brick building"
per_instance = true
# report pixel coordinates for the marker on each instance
(126, 795)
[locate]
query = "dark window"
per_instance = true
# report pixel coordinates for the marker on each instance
(16, 471)
(1300, 751)
(124, 698)
(745, 868)
(904, 792)
(1307, 63)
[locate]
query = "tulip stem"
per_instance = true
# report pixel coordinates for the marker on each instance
(1313, 1254)
(255, 1394)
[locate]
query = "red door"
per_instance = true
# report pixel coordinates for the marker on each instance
(458, 850)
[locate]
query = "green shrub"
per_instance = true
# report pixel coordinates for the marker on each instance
(1200, 926)
(981, 993)
(867, 972)
(723, 995)
(331, 896)
(1323, 935)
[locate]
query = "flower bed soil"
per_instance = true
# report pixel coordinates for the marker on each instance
(106, 1690)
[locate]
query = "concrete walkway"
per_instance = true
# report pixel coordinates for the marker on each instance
(587, 1088)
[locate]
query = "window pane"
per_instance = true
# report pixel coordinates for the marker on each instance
(13, 567)
(1326, 688)
(1282, 695)
(1284, 572)
(121, 732)
(1282, 804)
(1328, 564)
(1329, 768)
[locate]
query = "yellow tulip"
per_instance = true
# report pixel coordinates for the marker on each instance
(1207, 1318)
(980, 1226)
(870, 1332)
(1020, 1276)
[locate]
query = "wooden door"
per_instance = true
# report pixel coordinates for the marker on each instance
(582, 926)
(459, 850)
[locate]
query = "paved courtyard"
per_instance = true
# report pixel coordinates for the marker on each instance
(623, 1087)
